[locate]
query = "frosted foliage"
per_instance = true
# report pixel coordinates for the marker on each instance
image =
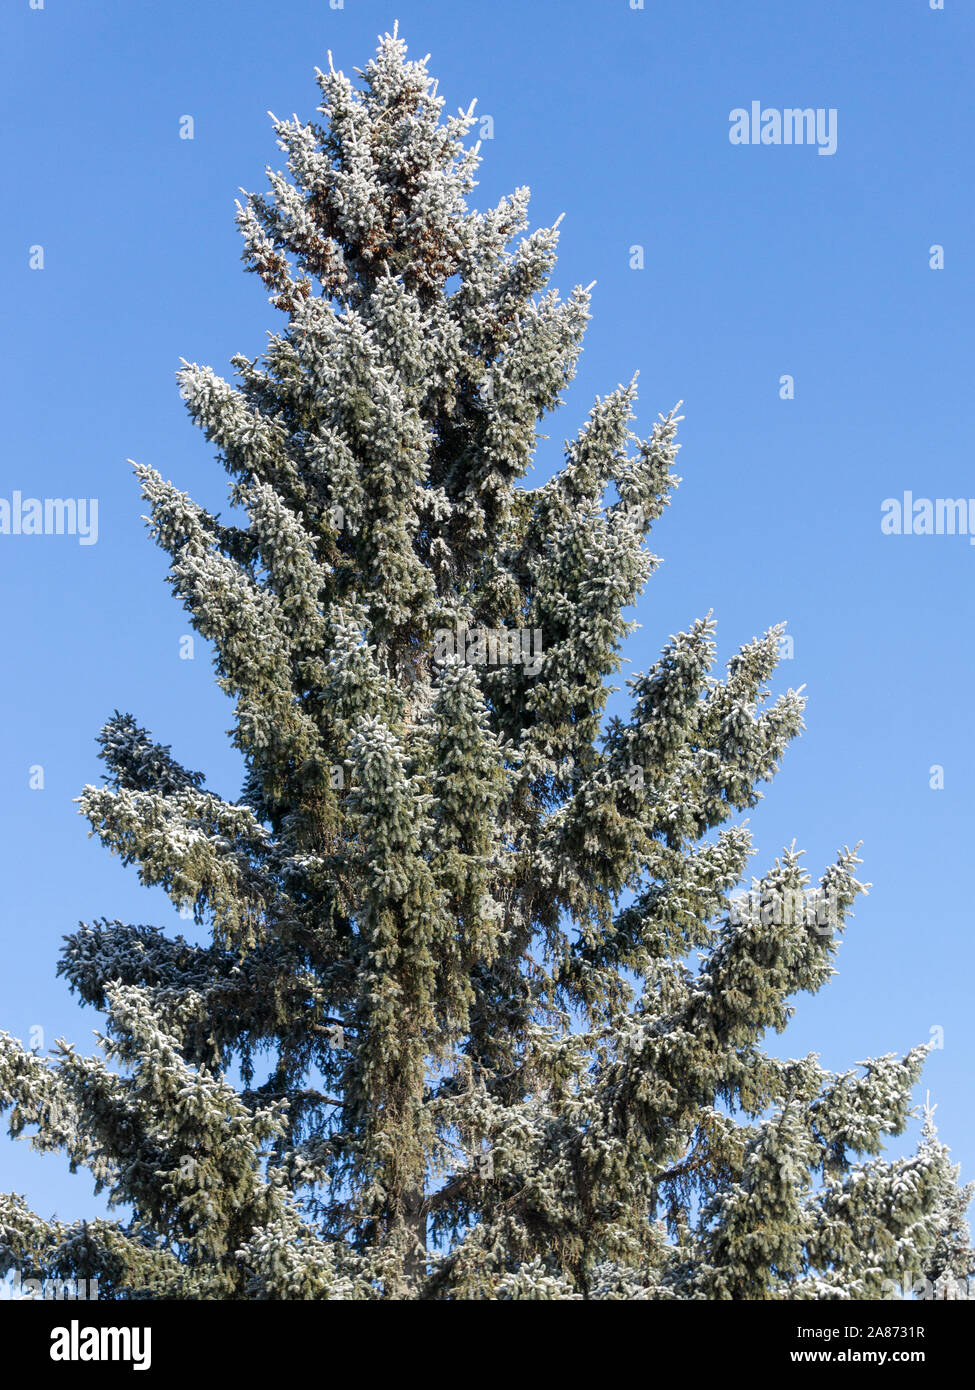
(469, 949)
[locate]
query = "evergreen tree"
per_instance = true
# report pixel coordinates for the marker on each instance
(479, 1014)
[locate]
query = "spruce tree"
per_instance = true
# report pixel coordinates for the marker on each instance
(481, 1006)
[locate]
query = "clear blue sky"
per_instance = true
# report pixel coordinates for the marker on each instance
(760, 261)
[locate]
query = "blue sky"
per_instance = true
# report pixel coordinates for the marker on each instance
(760, 261)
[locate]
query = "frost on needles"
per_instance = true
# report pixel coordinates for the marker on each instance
(478, 1016)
